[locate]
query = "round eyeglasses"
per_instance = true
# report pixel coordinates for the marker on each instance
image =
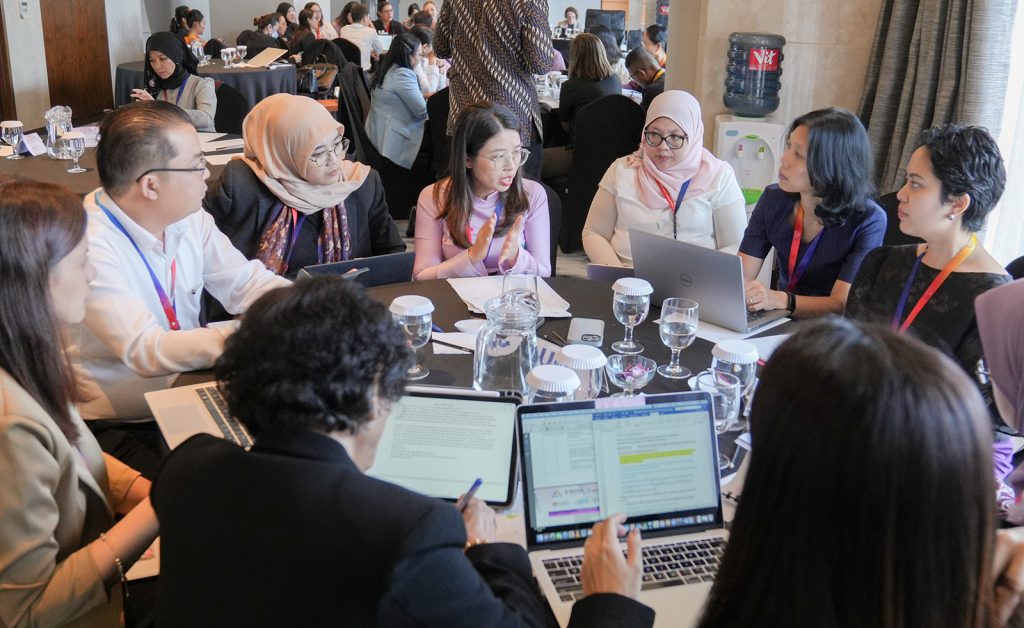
(339, 149)
(675, 142)
(513, 159)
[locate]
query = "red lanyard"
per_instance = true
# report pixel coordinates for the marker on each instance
(673, 207)
(933, 287)
(796, 272)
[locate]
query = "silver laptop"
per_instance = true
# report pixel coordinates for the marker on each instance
(711, 278)
(653, 457)
(189, 410)
(611, 274)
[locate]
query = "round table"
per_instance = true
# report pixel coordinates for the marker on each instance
(253, 83)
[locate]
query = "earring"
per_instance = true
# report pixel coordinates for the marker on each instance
(951, 217)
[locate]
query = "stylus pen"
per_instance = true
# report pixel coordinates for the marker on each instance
(463, 501)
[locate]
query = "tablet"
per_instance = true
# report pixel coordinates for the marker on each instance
(437, 444)
(382, 269)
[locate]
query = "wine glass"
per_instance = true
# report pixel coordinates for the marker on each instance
(678, 329)
(630, 373)
(226, 54)
(630, 306)
(11, 132)
(73, 144)
(725, 391)
(241, 50)
(413, 315)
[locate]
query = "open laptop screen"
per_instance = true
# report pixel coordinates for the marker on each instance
(655, 460)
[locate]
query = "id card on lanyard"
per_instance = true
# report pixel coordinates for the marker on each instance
(673, 208)
(166, 302)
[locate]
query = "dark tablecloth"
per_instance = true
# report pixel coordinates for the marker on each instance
(253, 83)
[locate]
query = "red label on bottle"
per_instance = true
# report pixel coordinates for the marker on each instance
(764, 59)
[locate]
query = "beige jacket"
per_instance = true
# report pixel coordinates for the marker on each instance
(54, 498)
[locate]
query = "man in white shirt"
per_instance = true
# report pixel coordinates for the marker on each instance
(154, 250)
(360, 32)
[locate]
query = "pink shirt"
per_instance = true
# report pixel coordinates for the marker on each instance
(438, 257)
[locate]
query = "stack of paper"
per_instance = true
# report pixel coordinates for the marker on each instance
(476, 291)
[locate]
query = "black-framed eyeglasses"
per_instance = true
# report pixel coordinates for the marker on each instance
(675, 142)
(514, 159)
(339, 148)
(202, 166)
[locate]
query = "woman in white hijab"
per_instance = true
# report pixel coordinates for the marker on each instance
(671, 186)
(293, 200)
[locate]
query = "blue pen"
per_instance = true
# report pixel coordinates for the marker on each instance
(463, 501)
(436, 328)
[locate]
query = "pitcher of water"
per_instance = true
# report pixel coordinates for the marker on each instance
(58, 122)
(506, 347)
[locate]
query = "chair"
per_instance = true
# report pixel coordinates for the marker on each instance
(438, 107)
(1016, 268)
(350, 51)
(555, 218)
(893, 235)
(328, 49)
(615, 20)
(606, 129)
(634, 39)
(232, 107)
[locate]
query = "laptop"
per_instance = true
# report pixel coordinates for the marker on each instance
(653, 457)
(713, 279)
(380, 269)
(265, 58)
(185, 411)
(611, 274)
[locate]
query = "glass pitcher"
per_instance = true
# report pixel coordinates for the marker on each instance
(58, 122)
(506, 347)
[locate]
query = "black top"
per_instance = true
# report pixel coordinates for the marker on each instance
(947, 322)
(260, 41)
(652, 91)
(577, 92)
(396, 27)
(302, 45)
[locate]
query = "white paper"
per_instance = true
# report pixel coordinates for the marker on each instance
(148, 564)
(714, 333)
(455, 338)
(767, 346)
(221, 159)
(205, 137)
(476, 291)
(33, 144)
(209, 147)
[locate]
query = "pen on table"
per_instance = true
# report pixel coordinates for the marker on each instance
(450, 345)
(463, 501)
(437, 328)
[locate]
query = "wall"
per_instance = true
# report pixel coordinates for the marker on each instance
(828, 45)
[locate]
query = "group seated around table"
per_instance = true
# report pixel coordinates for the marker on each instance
(166, 78)
(485, 218)
(293, 199)
(671, 186)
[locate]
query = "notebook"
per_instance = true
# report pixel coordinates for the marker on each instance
(713, 279)
(185, 411)
(653, 457)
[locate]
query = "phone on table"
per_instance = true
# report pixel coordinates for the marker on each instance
(588, 331)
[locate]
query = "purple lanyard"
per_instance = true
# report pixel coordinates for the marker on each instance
(902, 303)
(805, 260)
(297, 221)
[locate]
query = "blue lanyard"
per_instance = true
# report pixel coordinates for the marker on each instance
(180, 90)
(679, 201)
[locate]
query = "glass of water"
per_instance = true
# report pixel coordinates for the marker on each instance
(225, 55)
(241, 50)
(725, 390)
(630, 305)
(73, 145)
(11, 132)
(413, 315)
(678, 328)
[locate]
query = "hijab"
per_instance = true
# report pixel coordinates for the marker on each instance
(1000, 314)
(280, 134)
(698, 166)
(170, 46)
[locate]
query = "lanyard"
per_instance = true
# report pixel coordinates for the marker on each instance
(932, 288)
(167, 303)
(796, 271)
(679, 201)
(498, 208)
(297, 220)
(181, 89)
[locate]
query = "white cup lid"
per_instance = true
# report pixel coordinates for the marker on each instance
(736, 351)
(553, 378)
(632, 286)
(581, 357)
(73, 135)
(411, 305)
(7, 124)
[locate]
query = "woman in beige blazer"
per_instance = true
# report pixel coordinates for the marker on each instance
(62, 558)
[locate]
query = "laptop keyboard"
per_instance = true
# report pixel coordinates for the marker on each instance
(669, 565)
(229, 426)
(753, 317)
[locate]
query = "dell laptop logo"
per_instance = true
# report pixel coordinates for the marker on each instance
(685, 280)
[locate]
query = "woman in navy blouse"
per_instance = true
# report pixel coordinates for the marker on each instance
(819, 218)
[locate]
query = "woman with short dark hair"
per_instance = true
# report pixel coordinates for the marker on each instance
(820, 217)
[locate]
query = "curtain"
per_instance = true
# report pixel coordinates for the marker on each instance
(933, 61)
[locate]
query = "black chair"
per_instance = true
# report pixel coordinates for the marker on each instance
(598, 144)
(350, 51)
(244, 37)
(330, 52)
(615, 20)
(438, 107)
(634, 39)
(893, 235)
(555, 217)
(1016, 268)
(232, 107)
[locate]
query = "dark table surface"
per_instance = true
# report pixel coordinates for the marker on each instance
(253, 83)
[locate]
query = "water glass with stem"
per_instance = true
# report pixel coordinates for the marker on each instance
(678, 328)
(73, 144)
(226, 55)
(241, 50)
(413, 315)
(11, 132)
(630, 305)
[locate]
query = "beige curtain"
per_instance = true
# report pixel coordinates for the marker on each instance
(933, 61)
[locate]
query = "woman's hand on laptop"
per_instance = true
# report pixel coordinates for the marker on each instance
(759, 297)
(604, 568)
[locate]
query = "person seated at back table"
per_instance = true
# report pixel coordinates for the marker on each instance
(431, 71)
(269, 29)
(165, 78)
(571, 23)
(155, 250)
(303, 39)
(398, 111)
(615, 57)
(413, 9)
(313, 373)
(385, 22)
(196, 29)
(819, 217)
(671, 186)
(590, 78)
(60, 549)
(360, 32)
(423, 18)
(484, 218)
(644, 70)
(291, 17)
(324, 30)
(293, 200)
(654, 39)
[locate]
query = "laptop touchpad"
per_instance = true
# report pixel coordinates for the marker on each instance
(186, 419)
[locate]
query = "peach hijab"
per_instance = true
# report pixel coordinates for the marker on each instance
(280, 134)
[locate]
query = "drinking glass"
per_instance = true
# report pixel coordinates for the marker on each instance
(225, 55)
(73, 144)
(206, 59)
(630, 373)
(521, 281)
(413, 315)
(678, 329)
(630, 310)
(241, 50)
(11, 132)
(725, 390)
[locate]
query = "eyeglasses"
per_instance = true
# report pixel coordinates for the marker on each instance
(201, 167)
(339, 149)
(675, 142)
(504, 160)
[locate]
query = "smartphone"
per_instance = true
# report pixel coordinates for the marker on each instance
(588, 331)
